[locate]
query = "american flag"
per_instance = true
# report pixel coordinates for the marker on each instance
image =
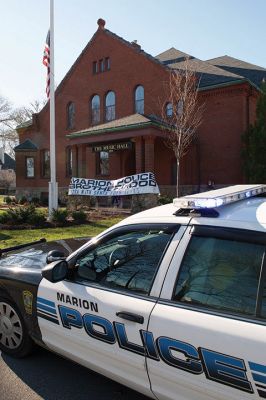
(46, 62)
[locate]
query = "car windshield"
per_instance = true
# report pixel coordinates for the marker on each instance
(27, 258)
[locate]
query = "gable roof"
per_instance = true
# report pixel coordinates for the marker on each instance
(211, 73)
(25, 124)
(132, 45)
(172, 56)
(26, 145)
(207, 73)
(252, 72)
(135, 121)
(9, 162)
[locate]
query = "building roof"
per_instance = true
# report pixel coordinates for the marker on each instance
(9, 162)
(252, 72)
(26, 145)
(217, 71)
(24, 124)
(135, 121)
(132, 45)
(208, 74)
(211, 73)
(172, 56)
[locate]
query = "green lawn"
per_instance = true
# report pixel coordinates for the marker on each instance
(2, 196)
(13, 237)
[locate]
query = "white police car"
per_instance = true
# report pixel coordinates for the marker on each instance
(170, 302)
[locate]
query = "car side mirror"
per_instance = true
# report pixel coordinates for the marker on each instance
(55, 255)
(55, 271)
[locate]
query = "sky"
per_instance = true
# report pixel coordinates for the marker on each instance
(202, 28)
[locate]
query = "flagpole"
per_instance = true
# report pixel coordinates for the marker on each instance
(53, 186)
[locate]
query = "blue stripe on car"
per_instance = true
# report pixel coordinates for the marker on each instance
(44, 301)
(51, 310)
(257, 367)
(262, 394)
(47, 317)
(53, 315)
(259, 378)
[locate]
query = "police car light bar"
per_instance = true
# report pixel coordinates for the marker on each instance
(219, 197)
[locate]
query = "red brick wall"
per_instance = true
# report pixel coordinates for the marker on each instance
(225, 120)
(225, 117)
(129, 68)
(216, 155)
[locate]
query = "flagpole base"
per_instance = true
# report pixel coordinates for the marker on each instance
(53, 198)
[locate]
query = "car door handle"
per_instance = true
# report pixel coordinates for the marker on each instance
(130, 316)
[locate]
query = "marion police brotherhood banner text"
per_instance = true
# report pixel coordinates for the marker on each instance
(133, 184)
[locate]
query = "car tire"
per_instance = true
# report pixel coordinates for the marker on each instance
(14, 337)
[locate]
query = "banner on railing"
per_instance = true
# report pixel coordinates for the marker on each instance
(134, 184)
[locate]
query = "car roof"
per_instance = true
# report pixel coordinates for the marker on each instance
(246, 214)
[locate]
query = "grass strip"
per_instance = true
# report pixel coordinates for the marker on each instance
(14, 237)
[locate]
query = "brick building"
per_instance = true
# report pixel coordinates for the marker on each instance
(106, 126)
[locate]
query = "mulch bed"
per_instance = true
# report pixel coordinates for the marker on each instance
(93, 215)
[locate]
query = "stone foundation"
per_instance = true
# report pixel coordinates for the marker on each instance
(142, 202)
(137, 203)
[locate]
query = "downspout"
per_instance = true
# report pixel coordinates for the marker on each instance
(198, 163)
(249, 94)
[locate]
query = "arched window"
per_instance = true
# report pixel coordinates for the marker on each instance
(139, 100)
(169, 110)
(70, 115)
(95, 109)
(110, 106)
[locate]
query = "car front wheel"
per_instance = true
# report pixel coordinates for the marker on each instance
(14, 338)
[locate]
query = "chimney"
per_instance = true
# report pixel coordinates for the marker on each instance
(136, 45)
(35, 120)
(101, 23)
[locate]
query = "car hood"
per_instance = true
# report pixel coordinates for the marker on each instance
(34, 255)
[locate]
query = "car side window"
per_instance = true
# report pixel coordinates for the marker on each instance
(220, 274)
(128, 261)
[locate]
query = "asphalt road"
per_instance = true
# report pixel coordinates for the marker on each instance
(47, 376)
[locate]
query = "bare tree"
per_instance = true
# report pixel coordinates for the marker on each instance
(182, 115)
(10, 117)
(7, 179)
(7, 124)
(24, 113)
(6, 112)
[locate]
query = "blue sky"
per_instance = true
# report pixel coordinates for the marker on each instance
(203, 28)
